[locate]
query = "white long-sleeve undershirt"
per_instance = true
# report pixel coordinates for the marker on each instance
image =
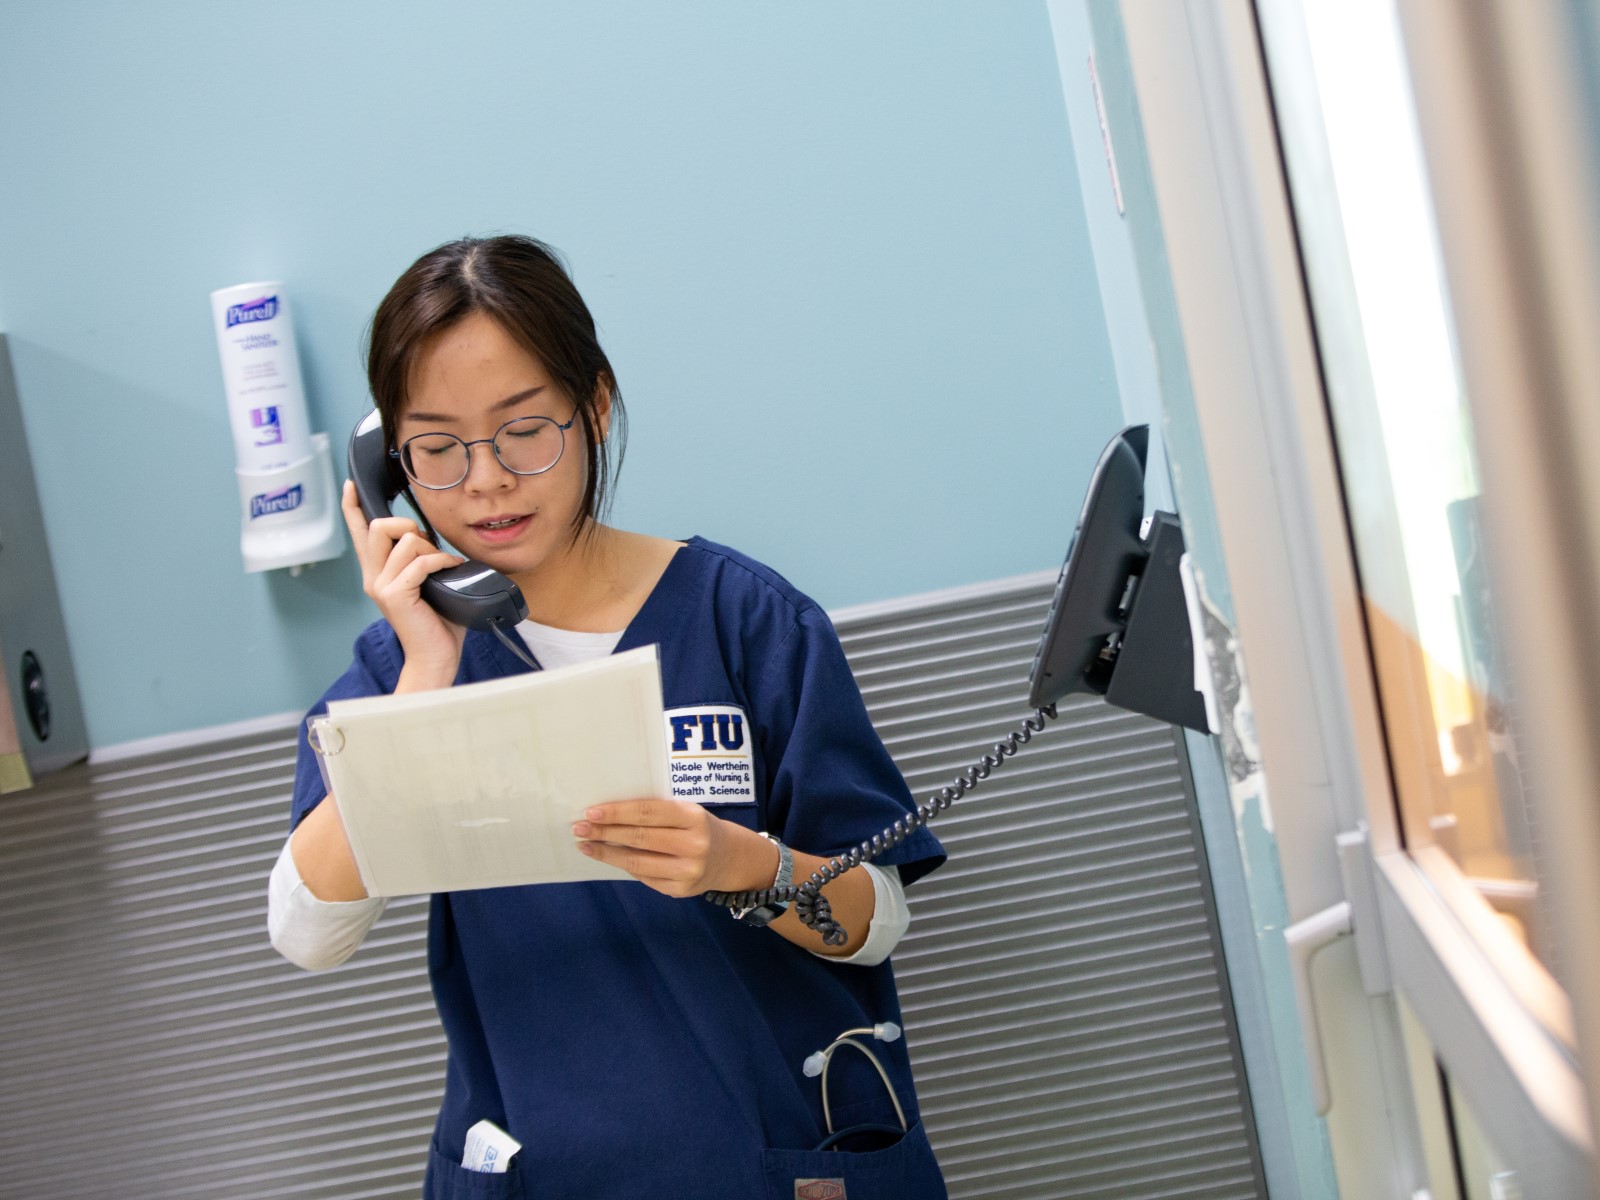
(318, 934)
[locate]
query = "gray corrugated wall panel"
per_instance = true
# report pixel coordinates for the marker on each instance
(1060, 982)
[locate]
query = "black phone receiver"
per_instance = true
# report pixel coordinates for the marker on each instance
(471, 594)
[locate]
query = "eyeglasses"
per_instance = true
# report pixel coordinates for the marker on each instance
(525, 446)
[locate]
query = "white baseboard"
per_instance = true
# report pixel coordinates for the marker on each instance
(188, 739)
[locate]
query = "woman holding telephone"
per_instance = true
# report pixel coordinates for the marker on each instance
(635, 1040)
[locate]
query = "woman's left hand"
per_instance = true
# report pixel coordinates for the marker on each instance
(676, 847)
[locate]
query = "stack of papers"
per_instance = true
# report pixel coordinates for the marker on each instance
(478, 786)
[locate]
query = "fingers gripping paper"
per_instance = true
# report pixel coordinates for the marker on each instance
(478, 786)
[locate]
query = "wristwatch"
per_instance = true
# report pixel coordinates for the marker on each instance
(765, 914)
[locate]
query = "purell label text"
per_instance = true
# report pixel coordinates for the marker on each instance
(281, 501)
(263, 309)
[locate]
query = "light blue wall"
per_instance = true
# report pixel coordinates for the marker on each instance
(1584, 18)
(838, 258)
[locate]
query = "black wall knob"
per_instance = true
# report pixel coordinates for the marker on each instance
(35, 696)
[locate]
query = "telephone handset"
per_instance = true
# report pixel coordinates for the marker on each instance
(471, 594)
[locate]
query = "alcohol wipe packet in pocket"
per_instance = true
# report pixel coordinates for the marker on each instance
(489, 1148)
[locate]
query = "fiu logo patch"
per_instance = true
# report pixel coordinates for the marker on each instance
(819, 1189)
(709, 752)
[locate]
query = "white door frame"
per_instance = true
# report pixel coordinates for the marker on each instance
(1255, 382)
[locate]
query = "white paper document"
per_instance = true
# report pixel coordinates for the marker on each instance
(478, 785)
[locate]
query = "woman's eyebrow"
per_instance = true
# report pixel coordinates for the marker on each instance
(499, 405)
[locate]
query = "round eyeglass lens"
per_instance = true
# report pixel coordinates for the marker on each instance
(530, 445)
(435, 460)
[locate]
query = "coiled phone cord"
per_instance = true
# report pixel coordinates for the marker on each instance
(812, 907)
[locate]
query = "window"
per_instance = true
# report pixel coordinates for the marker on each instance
(1407, 458)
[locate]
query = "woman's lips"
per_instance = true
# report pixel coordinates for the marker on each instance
(495, 533)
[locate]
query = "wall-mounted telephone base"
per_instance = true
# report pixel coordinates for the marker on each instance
(290, 517)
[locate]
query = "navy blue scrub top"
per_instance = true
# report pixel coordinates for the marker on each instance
(643, 1046)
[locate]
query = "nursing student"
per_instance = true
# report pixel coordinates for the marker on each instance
(638, 1041)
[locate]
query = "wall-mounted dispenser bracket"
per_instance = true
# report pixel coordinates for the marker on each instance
(291, 517)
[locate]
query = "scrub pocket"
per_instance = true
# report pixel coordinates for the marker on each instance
(906, 1170)
(447, 1179)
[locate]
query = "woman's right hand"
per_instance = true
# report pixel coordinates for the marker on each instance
(395, 558)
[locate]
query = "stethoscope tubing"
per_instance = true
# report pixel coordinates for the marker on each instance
(847, 1038)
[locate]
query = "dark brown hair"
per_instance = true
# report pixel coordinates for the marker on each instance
(523, 284)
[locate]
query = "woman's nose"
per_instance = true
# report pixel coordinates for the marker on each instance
(485, 472)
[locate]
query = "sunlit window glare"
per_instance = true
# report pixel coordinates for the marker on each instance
(1393, 250)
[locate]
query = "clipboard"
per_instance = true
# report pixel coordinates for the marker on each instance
(477, 786)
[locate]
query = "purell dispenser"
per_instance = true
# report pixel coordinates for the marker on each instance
(285, 474)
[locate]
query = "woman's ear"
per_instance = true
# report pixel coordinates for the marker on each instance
(602, 409)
